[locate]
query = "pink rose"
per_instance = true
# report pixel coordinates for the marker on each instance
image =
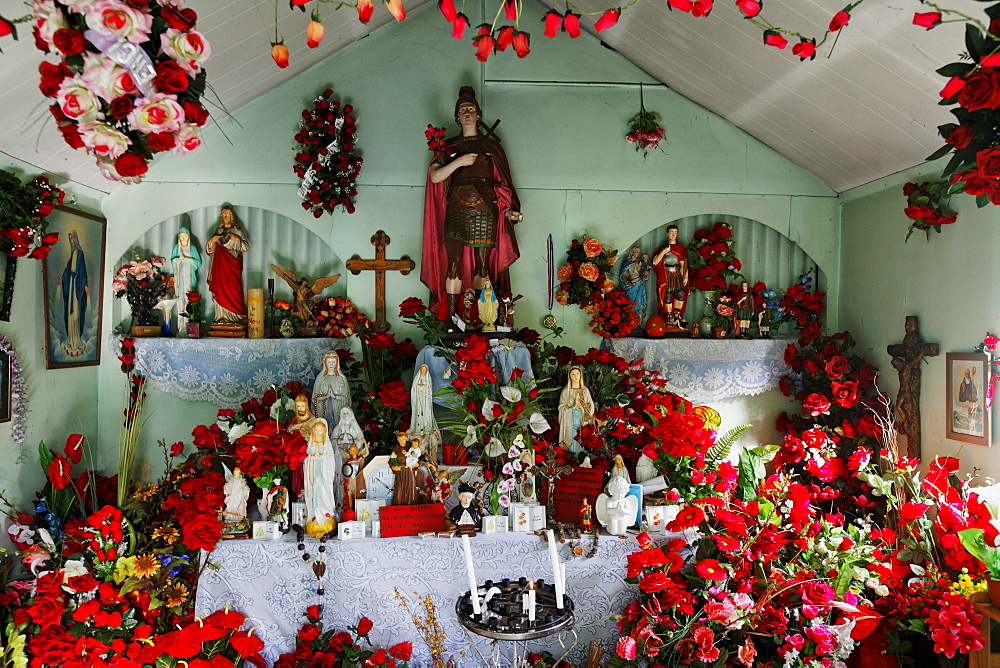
(76, 101)
(188, 139)
(102, 139)
(118, 18)
(157, 113)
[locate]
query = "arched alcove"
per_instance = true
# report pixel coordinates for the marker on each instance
(766, 254)
(273, 238)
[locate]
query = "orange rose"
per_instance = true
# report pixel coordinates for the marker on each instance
(564, 273)
(592, 247)
(562, 297)
(589, 270)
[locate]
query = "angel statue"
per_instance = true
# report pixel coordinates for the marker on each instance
(616, 511)
(304, 294)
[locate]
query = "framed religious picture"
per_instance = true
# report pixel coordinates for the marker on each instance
(73, 276)
(8, 265)
(968, 418)
(6, 380)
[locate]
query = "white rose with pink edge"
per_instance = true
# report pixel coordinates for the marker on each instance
(188, 47)
(77, 102)
(48, 19)
(188, 139)
(103, 140)
(78, 5)
(106, 78)
(108, 171)
(116, 17)
(157, 113)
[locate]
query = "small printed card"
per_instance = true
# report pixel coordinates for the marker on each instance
(264, 530)
(376, 529)
(349, 530)
(536, 517)
(655, 519)
(368, 510)
(520, 517)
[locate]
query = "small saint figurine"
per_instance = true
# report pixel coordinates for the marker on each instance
(302, 421)
(225, 272)
(423, 426)
(237, 495)
(467, 514)
(619, 470)
(764, 316)
(616, 510)
(273, 505)
(405, 465)
(488, 307)
(354, 474)
(743, 303)
(670, 266)
(331, 391)
(586, 521)
(576, 409)
(304, 295)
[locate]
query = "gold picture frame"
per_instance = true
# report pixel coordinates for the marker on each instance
(967, 381)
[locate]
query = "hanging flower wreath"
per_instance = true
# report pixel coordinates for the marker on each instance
(18, 395)
(23, 209)
(128, 82)
(338, 317)
(924, 202)
(326, 161)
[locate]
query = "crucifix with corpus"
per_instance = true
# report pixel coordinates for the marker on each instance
(380, 265)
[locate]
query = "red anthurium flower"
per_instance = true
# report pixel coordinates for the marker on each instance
(683, 5)
(772, 38)
(927, 19)
(553, 20)
(279, 52)
(505, 37)
(314, 33)
(448, 10)
(74, 447)
(59, 472)
(6, 27)
(951, 88)
(510, 9)
(365, 9)
(521, 44)
(805, 49)
(839, 20)
(608, 19)
(750, 8)
(571, 23)
(396, 9)
(485, 45)
(459, 25)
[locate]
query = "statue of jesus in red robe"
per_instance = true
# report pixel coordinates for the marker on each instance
(225, 274)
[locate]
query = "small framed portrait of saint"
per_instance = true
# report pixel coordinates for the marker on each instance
(968, 418)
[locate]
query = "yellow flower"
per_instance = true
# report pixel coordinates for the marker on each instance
(123, 568)
(145, 565)
(168, 534)
(15, 651)
(143, 492)
(176, 593)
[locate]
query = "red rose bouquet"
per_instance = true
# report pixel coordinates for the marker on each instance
(127, 81)
(801, 302)
(337, 317)
(712, 260)
(326, 161)
(23, 209)
(316, 647)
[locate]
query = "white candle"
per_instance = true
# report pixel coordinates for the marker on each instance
(556, 570)
(531, 600)
(562, 582)
(470, 571)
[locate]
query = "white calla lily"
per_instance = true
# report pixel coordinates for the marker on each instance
(538, 423)
(494, 448)
(510, 393)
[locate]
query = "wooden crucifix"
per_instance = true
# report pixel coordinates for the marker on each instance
(380, 265)
(906, 359)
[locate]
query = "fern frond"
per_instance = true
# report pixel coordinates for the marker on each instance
(724, 445)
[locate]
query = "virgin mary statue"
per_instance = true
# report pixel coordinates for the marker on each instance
(576, 409)
(423, 426)
(331, 391)
(186, 261)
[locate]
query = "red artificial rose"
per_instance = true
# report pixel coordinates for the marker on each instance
(811, 331)
(927, 19)
(954, 85)
(178, 19)
(571, 24)
(989, 162)
(160, 141)
(750, 8)
(485, 46)
(837, 366)
(70, 42)
(6, 27)
(912, 511)
(52, 77)
(170, 78)
(312, 613)
(194, 112)
(839, 20)
(200, 532)
(608, 19)
(411, 306)
(67, 127)
(981, 90)
(772, 38)
(806, 48)
(364, 626)
(46, 611)
(121, 107)
(279, 53)
(131, 164)
(960, 137)
(394, 395)
(846, 394)
(815, 404)
(553, 21)
(401, 651)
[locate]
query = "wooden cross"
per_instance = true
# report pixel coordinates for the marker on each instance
(380, 265)
(551, 471)
(906, 358)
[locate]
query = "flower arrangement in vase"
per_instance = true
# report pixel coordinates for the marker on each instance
(194, 312)
(143, 284)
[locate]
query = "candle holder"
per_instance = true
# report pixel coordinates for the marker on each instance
(504, 617)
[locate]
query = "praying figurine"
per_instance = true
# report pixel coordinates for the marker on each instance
(586, 521)
(616, 510)
(423, 426)
(619, 470)
(331, 391)
(273, 505)
(576, 410)
(321, 473)
(237, 495)
(488, 305)
(467, 514)
(185, 259)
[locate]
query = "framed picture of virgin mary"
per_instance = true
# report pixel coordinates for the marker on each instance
(73, 276)
(968, 378)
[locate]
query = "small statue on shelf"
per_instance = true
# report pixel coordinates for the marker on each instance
(423, 426)
(331, 391)
(616, 511)
(488, 307)
(185, 259)
(439, 487)
(632, 279)
(743, 303)
(670, 266)
(273, 505)
(321, 472)
(619, 470)
(225, 275)
(354, 474)
(645, 469)
(764, 316)
(586, 520)
(576, 409)
(467, 515)
(237, 495)
(305, 296)
(406, 461)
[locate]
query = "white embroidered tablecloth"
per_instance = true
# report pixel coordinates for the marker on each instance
(271, 584)
(707, 370)
(227, 372)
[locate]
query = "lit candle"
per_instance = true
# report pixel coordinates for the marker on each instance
(556, 570)
(470, 571)
(531, 600)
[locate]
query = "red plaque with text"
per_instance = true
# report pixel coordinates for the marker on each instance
(411, 520)
(571, 490)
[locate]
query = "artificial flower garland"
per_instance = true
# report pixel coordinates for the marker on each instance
(924, 202)
(23, 210)
(128, 82)
(18, 395)
(583, 280)
(326, 161)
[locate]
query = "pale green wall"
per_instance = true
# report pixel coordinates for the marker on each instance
(950, 283)
(60, 401)
(565, 140)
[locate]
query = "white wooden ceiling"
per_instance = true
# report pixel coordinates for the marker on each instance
(866, 112)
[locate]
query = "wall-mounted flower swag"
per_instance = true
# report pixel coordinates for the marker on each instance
(326, 161)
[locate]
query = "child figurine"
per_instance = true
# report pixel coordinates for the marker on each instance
(273, 506)
(586, 521)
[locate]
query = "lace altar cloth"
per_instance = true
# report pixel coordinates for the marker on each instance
(503, 359)
(271, 584)
(227, 372)
(707, 370)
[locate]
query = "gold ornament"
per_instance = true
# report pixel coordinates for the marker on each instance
(549, 322)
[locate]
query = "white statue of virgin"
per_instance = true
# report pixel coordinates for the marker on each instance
(237, 495)
(576, 409)
(321, 480)
(185, 261)
(331, 391)
(423, 426)
(346, 433)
